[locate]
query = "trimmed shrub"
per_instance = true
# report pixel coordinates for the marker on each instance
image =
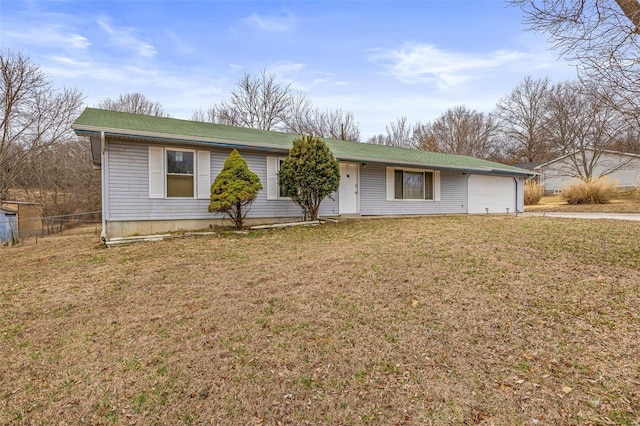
(234, 189)
(532, 192)
(590, 191)
(309, 174)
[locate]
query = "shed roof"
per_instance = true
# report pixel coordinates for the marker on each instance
(93, 122)
(7, 210)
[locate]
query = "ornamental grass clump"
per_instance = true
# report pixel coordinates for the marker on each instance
(532, 192)
(590, 191)
(234, 189)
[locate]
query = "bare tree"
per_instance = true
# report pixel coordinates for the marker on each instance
(602, 37)
(135, 103)
(334, 124)
(256, 103)
(398, 133)
(341, 125)
(627, 141)
(301, 117)
(64, 179)
(208, 116)
(522, 119)
(263, 103)
(459, 131)
(584, 129)
(35, 117)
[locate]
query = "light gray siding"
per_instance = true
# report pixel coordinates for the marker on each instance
(623, 169)
(128, 193)
(127, 198)
(373, 194)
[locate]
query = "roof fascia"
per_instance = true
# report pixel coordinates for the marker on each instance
(196, 140)
(225, 143)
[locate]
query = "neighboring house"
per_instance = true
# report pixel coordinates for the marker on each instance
(157, 173)
(8, 226)
(623, 168)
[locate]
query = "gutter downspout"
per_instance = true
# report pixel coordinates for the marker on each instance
(516, 206)
(103, 233)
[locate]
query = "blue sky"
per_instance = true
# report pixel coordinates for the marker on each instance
(379, 59)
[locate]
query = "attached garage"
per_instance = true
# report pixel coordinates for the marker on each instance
(496, 193)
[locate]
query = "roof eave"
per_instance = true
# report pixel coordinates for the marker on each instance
(84, 130)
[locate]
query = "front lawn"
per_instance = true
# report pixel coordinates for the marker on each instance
(435, 320)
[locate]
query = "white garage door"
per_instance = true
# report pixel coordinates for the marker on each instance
(496, 193)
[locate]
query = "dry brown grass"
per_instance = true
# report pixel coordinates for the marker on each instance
(533, 192)
(621, 202)
(443, 320)
(591, 191)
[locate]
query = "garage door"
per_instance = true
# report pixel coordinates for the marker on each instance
(496, 193)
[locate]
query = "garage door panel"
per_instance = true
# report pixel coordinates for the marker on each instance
(496, 193)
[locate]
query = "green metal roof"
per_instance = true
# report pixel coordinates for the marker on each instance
(112, 123)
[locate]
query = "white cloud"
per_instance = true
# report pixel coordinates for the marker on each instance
(101, 80)
(126, 37)
(418, 63)
(270, 23)
(285, 67)
(48, 35)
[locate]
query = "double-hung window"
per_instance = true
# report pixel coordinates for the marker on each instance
(180, 168)
(413, 184)
(179, 173)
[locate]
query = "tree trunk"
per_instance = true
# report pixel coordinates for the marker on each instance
(238, 218)
(631, 9)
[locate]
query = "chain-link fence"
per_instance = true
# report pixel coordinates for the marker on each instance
(34, 228)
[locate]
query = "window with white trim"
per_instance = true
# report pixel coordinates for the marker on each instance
(180, 177)
(413, 184)
(179, 173)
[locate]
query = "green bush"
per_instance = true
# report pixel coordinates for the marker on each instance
(234, 189)
(309, 174)
(590, 191)
(532, 192)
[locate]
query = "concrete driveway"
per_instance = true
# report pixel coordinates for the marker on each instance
(577, 215)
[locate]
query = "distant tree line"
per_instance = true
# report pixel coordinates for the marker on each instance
(41, 159)
(536, 122)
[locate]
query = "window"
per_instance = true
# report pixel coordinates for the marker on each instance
(282, 190)
(180, 173)
(412, 184)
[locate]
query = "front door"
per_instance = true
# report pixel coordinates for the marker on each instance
(348, 192)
